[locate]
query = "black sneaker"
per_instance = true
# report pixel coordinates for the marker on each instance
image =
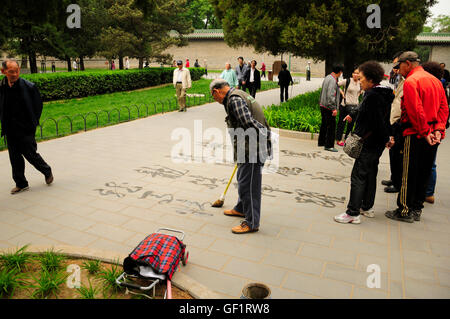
(387, 182)
(395, 215)
(416, 215)
(391, 189)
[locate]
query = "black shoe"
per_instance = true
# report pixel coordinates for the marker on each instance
(391, 189)
(49, 179)
(387, 182)
(395, 215)
(331, 149)
(416, 215)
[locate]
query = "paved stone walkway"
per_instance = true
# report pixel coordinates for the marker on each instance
(115, 185)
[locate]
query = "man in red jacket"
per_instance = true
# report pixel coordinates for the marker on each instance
(424, 115)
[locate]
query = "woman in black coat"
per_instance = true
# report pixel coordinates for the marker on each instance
(372, 124)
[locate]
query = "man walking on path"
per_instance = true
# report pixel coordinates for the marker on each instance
(250, 134)
(423, 118)
(329, 101)
(181, 82)
(20, 111)
(241, 72)
(229, 75)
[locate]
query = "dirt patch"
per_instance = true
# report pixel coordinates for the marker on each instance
(33, 272)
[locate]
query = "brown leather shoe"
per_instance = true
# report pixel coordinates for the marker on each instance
(243, 228)
(49, 179)
(232, 212)
(16, 190)
(430, 199)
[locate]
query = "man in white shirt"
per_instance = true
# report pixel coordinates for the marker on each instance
(181, 82)
(74, 65)
(127, 64)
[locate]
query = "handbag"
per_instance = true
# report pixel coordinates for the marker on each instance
(353, 144)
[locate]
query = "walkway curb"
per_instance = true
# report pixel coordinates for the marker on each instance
(297, 134)
(181, 280)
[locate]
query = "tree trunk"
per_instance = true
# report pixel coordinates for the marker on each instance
(24, 63)
(81, 63)
(120, 62)
(141, 63)
(69, 65)
(33, 63)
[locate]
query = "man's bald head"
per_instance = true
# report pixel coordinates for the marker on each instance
(7, 63)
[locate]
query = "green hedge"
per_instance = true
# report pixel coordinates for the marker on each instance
(301, 113)
(69, 85)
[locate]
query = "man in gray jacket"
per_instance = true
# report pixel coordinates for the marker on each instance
(329, 101)
(241, 72)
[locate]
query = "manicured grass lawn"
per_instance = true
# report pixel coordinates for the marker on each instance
(65, 117)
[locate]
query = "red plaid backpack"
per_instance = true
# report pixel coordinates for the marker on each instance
(159, 251)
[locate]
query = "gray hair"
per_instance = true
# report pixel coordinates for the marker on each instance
(218, 84)
(5, 63)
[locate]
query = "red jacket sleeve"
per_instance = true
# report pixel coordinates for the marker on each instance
(442, 113)
(414, 108)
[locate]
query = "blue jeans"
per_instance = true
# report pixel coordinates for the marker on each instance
(432, 180)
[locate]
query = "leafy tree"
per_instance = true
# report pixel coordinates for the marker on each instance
(441, 23)
(201, 13)
(331, 30)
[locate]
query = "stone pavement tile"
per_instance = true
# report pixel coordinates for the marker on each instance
(140, 213)
(434, 217)
(29, 238)
(295, 263)
(338, 230)
(369, 293)
(141, 226)
(198, 240)
(235, 249)
(420, 273)
(215, 280)
(74, 222)
(205, 258)
(366, 260)
(43, 211)
(281, 293)
(110, 232)
(113, 246)
(39, 226)
(17, 202)
(219, 231)
(107, 217)
(134, 240)
(255, 272)
(277, 244)
(361, 247)
(421, 258)
(440, 249)
(8, 231)
(73, 237)
(353, 276)
(396, 290)
(377, 238)
(316, 286)
(77, 209)
(305, 236)
(107, 205)
(4, 245)
(396, 265)
(181, 222)
(437, 227)
(12, 217)
(339, 256)
(443, 278)
(286, 222)
(411, 243)
(417, 289)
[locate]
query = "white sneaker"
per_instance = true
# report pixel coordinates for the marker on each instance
(345, 218)
(368, 213)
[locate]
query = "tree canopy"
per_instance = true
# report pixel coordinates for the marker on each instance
(331, 30)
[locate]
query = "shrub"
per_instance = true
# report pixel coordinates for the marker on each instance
(68, 85)
(301, 113)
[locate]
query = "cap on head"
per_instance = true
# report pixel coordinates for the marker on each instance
(406, 56)
(179, 62)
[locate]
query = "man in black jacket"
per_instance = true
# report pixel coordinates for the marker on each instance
(253, 79)
(20, 111)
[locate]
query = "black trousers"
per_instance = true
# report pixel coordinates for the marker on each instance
(249, 178)
(343, 112)
(327, 128)
(252, 88)
(284, 95)
(418, 158)
(241, 86)
(364, 181)
(20, 147)
(396, 157)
